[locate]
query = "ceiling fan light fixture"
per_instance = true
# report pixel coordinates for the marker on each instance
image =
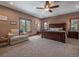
(46, 9)
(11, 3)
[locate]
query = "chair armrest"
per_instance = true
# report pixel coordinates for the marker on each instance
(3, 37)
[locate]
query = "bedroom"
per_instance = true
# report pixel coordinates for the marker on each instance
(24, 25)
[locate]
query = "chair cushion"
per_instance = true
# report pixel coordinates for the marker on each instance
(3, 40)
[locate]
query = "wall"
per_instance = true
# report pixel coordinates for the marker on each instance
(14, 15)
(61, 19)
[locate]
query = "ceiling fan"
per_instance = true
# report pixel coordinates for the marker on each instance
(48, 6)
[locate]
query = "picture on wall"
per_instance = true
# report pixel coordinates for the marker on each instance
(13, 22)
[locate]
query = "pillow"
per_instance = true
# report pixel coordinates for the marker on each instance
(15, 32)
(59, 29)
(56, 29)
(52, 29)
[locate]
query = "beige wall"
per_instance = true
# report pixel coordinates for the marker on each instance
(13, 15)
(62, 19)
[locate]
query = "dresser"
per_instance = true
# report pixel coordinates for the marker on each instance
(73, 34)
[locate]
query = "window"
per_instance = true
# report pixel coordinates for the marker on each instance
(25, 26)
(74, 24)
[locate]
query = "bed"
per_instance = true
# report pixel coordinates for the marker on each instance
(55, 35)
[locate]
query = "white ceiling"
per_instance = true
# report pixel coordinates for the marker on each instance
(30, 7)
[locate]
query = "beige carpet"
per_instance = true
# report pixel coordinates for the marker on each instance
(38, 47)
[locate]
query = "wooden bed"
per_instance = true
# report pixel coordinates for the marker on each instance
(54, 35)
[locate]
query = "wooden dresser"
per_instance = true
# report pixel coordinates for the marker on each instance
(73, 34)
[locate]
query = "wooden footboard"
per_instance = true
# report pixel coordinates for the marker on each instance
(58, 36)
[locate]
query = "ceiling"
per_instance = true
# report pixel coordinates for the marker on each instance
(29, 7)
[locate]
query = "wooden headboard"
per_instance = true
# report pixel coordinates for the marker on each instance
(58, 25)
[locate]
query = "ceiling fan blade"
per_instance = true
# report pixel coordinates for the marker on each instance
(54, 6)
(39, 8)
(50, 11)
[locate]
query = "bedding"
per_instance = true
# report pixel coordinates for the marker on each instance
(55, 29)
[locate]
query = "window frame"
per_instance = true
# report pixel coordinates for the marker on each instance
(25, 25)
(72, 19)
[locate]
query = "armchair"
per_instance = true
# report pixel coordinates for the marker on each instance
(4, 40)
